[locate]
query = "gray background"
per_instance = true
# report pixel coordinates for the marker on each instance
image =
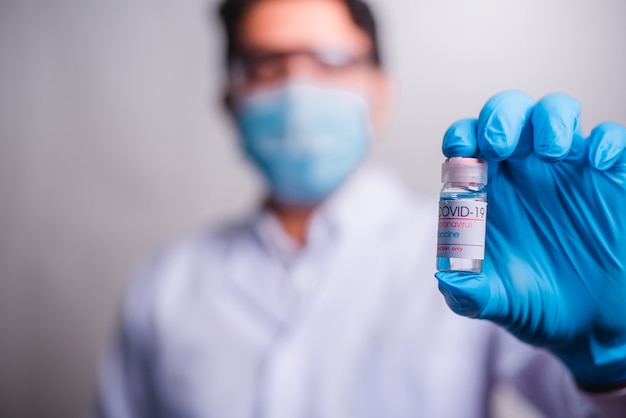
(113, 143)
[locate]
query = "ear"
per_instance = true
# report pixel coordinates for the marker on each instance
(382, 101)
(228, 101)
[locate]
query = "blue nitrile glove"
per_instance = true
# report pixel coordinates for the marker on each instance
(554, 273)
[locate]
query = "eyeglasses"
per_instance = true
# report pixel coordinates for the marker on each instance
(256, 67)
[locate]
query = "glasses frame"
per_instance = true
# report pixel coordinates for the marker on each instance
(255, 66)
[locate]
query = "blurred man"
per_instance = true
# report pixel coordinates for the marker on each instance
(321, 304)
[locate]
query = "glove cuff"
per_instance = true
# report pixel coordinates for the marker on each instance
(596, 365)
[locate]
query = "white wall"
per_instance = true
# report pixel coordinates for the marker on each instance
(113, 143)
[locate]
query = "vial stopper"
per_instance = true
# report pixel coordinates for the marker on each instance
(464, 170)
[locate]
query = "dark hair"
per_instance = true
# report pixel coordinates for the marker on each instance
(231, 13)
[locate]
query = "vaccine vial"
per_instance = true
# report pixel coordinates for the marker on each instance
(462, 215)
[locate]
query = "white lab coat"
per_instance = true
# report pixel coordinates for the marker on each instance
(239, 323)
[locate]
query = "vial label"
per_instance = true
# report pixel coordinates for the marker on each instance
(461, 232)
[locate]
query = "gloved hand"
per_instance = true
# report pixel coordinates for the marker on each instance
(554, 273)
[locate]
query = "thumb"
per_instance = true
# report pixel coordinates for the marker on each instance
(472, 295)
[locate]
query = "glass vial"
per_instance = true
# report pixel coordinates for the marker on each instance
(462, 215)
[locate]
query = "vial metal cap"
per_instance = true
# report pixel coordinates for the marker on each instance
(464, 170)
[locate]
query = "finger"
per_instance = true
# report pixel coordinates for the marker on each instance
(473, 295)
(607, 144)
(555, 121)
(500, 124)
(460, 139)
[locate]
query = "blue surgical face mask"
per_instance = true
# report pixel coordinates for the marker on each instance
(305, 139)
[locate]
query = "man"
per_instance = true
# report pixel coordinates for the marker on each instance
(321, 305)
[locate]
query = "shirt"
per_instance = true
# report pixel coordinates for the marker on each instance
(241, 322)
